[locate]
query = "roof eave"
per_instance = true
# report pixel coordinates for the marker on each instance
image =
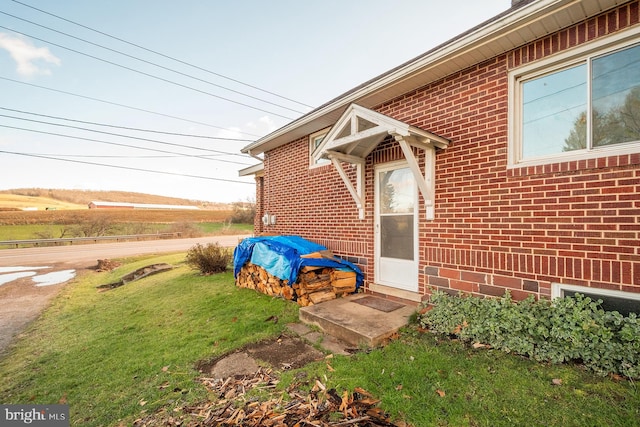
(435, 64)
(256, 170)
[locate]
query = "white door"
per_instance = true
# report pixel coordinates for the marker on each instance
(396, 227)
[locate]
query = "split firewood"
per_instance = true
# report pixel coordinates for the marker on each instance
(321, 296)
(313, 286)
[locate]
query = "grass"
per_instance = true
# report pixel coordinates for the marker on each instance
(112, 355)
(225, 228)
(116, 355)
(429, 381)
(38, 231)
(32, 231)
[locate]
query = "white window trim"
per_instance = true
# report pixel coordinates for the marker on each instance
(557, 288)
(314, 152)
(554, 63)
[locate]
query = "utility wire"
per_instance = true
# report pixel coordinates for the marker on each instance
(122, 145)
(125, 127)
(147, 74)
(121, 105)
(102, 156)
(126, 167)
(162, 55)
(152, 63)
(124, 136)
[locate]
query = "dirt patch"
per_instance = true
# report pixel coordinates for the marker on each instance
(285, 352)
(22, 301)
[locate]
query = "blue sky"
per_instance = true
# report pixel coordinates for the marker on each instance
(307, 51)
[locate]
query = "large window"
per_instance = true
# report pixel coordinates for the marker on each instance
(586, 105)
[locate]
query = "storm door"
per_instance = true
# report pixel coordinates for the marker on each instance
(396, 227)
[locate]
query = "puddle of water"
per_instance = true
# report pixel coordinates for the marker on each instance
(13, 269)
(10, 277)
(9, 274)
(54, 278)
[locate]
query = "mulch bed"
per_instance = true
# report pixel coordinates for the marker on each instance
(319, 407)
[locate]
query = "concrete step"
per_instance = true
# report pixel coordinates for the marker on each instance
(355, 323)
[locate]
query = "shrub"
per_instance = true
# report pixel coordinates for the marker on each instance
(243, 213)
(565, 329)
(186, 229)
(209, 259)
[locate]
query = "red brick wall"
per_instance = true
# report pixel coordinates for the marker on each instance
(258, 226)
(495, 228)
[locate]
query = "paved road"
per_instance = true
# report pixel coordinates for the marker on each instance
(87, 255)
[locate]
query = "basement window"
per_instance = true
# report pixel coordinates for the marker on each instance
(622, 302)
(315, 139)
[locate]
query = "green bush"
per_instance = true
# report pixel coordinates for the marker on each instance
(186, 229)
(562, 330)
(243, 213)
(209, 259)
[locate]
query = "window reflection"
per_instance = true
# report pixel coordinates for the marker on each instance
(553, 104)
(616, 97)
(561, 112)
(397, 191)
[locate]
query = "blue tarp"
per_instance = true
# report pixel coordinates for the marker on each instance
(280, 256)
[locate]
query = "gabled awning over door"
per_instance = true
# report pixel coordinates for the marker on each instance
(359, 131)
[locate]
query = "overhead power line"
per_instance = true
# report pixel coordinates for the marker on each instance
(103, 156)
(153, 63)
(123, 145)
(163, 55)
(125, 127)
(126, 167)
(122, 105)
(125, 136)
(148, 74)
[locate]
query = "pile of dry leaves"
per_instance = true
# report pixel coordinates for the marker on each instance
(318, 407)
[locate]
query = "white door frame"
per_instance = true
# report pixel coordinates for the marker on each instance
(394, 272)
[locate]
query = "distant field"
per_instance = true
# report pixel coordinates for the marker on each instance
(17, 201)
(112, 215)
(69, 216)
(80, 199)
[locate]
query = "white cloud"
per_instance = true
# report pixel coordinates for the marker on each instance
(268, 123)
(264, 126)
(232, 132)
(26, 55)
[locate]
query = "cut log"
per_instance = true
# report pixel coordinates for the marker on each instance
(314, 284)
(320, 254)
(321, 296)
(308, 268)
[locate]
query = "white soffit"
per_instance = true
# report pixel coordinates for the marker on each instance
(257, 169)
(509, 30)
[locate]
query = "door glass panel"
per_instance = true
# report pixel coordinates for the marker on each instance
(397, 191)
(396, 236)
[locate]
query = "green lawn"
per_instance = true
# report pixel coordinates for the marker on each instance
(107, 353)
(55, 231)
(118, 355)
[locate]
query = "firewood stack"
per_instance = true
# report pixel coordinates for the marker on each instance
(313, 286)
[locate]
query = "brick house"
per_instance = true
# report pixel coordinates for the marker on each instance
(505, 159)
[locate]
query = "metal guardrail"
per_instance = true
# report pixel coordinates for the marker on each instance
(72, 240)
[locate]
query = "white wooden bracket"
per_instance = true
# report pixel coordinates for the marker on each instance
(426, 182)
(357, 191)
